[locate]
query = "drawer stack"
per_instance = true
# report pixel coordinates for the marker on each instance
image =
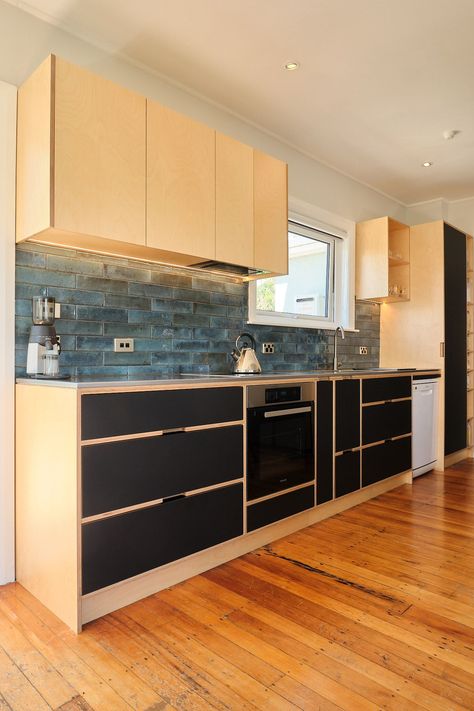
(162, 478)
(386, 428)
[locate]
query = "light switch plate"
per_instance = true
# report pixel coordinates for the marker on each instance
(57, 310)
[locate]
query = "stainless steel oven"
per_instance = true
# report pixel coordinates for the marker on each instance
(280, 437)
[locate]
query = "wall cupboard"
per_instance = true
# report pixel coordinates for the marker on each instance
(383, 260)
(80, 156)
(103, 169)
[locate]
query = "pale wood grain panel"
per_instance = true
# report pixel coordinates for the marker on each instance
(411, 331)
(372, 258)
(234, 202)
(100, 132)
(271, 213)
(47, 499)
(33, 176)
(180, 183)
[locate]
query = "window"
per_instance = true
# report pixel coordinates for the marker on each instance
(308, 289)
(318, 290)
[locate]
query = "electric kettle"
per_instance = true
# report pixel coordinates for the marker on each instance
(245, 358)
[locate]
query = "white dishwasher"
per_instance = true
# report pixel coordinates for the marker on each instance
(424, 424)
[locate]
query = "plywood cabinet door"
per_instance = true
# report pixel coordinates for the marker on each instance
(270, 213)
(234, 202)
(180, 183)
(81, 156)
(99, 156)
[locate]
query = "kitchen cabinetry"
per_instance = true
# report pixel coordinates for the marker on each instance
(386, 428)
(470, 340)
(383, 260)
(234, 202)
(324, 441)
(81, 157)
(181, 177)
(106, 170)
(431, 329)
(148, 488)
(347, 441)
(271, 213)
(125, 545)
(279, 507)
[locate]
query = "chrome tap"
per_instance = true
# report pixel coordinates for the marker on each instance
(340, 330)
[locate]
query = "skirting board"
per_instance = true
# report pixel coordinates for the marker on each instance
(128, 591)
(456, 457)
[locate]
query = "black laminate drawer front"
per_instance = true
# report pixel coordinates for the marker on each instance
(385, 460)
(128, 472)
(279, 507)
(385, 421)
(347, 473)
(113, 414)
(347, 414)
(378, 389)
(324, 441)
(122, 546)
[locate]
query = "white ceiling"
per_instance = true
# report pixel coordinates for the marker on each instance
(379, 82)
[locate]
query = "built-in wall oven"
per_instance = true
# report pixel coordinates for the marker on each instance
(280, 438)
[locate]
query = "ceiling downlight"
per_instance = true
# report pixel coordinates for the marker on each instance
(291, 66)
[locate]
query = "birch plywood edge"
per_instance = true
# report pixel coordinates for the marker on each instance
(47, 498)
(34, 179)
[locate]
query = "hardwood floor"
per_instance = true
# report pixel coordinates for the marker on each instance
(372, 609)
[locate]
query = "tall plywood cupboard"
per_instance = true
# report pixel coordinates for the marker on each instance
(431, 330)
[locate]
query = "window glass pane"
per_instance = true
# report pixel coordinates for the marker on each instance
(306, 288)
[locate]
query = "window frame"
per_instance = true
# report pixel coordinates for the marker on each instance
(343, 273)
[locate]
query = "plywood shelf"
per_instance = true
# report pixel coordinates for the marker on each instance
(395, 262)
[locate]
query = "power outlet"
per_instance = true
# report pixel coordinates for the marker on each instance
(124, 345)
(363, 350)
(268, 348)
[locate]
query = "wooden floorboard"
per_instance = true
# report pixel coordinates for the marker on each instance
(371, 609)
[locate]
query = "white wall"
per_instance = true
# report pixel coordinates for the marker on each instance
(7, 328)
(459, 213)
(26, 41)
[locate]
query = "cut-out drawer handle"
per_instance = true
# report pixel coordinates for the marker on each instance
(174, 498)
(176, 430)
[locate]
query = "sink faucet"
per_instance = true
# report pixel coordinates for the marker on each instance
(340, 330)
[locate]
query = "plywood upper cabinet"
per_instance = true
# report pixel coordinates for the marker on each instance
(383, 260)
(81, 156)
(181, 177)
(102, 169)
(270, 213)
(234, 202)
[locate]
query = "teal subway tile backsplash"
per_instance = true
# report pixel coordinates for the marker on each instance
(181, 321)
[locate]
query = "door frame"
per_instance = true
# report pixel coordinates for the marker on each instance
(8, 98)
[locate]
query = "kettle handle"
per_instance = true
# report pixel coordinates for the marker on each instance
(249, 335)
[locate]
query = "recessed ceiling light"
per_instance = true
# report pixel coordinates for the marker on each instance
(291, 66)
(427, 164)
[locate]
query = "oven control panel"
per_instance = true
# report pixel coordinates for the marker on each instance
(259, 395)
(276, 395)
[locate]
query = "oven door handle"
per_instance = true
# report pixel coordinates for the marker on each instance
(289, 411)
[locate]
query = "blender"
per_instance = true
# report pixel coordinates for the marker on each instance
(43, 345)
